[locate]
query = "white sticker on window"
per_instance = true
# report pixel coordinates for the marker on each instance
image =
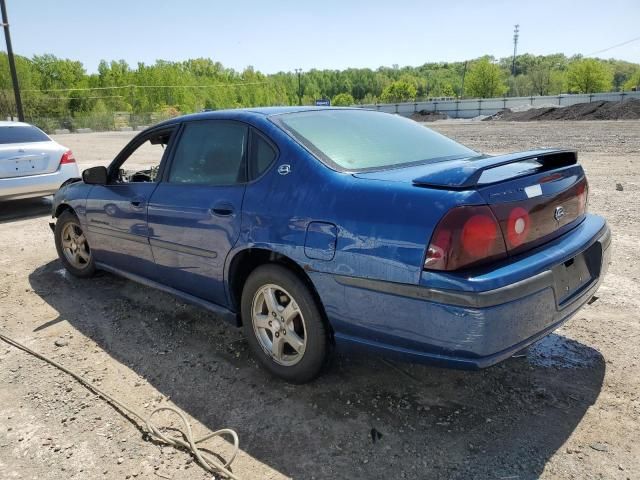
(533, 191)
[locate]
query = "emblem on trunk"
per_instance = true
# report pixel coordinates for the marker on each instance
(558, 213)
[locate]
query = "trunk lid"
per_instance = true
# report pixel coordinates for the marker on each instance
(534, 209)
(25, 159)
(535, 196)
(468, 172)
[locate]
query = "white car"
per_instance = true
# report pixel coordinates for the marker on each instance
(31, 164)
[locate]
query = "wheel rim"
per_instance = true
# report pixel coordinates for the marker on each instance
(74, 246)
(279, 325)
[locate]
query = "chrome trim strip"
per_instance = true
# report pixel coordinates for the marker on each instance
(199, 252)
(489, 298)
(110, 232)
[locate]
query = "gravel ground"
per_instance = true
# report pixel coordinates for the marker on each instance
(568, 409)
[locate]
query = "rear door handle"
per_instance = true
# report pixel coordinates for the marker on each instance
(222, 209)
(137, 202)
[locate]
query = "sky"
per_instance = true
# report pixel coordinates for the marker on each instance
(282, 35)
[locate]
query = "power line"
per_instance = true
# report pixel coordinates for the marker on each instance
(82, 89)
(299, 73)
(613, 46)
(82, 98)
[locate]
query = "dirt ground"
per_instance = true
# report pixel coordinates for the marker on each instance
(601, 110)
(569, 409)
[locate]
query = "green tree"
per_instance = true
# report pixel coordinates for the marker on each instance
(633, 82)
(589, 75)
(369, 99)
(56, 73)
(399, 91)
(446, 90)
(485, 80)
(540, 77)
(622, 72)
(520, 85)
(343, 100)
(59, 92)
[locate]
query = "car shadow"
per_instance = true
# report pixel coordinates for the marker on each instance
(366, 417)
(12, 210)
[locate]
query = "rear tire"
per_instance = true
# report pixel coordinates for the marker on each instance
(73, 247)
(283, 324)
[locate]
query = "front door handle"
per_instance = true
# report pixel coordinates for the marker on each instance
(222, 209)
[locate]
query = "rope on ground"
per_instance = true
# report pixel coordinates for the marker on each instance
(206, 460)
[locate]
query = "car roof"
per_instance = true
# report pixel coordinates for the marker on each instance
(293, 109)
(258, 112)
(267, 111)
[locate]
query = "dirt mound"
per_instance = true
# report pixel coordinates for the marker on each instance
(627, 110)
(428, 116)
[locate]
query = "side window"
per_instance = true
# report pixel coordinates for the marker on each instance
(210, 153)
(262, 155)
(143, 164)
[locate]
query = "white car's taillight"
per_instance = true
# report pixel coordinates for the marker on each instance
(67, 157)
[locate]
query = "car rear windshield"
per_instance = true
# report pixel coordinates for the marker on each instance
(22, 134)
(362, 140)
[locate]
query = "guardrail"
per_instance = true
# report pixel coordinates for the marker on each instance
(470, 108)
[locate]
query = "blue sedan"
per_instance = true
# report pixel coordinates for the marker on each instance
(319, 227)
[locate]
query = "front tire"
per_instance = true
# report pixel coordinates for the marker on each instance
(283, 324)
(73, 247)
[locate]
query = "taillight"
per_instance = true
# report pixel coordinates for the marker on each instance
(67, 157)
(465, 236)
(583, 196)
(518, 226)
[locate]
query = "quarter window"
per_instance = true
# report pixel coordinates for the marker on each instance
(210, 153)
(262, 155)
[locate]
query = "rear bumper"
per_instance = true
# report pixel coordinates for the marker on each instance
(468, 327)
(36, 185)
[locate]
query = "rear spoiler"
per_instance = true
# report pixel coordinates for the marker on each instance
(465, 174)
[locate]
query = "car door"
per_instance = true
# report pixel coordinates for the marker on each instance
(117, 211)
(194, 215)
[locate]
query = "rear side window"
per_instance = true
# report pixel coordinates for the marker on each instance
(262, 155)
(210, 153)
(22, 134)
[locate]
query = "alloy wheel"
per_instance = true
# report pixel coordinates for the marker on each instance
(279, 325)
(74, 246)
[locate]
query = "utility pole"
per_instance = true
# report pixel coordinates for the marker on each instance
(516, 31)
(464, 74)
(299, 72)
(12, 63)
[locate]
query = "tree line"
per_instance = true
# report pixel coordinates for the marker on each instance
(56, 89)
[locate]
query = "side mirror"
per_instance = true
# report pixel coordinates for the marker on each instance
(95, 176)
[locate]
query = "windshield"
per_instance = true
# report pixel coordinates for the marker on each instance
(360, 140)
(21, 134)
